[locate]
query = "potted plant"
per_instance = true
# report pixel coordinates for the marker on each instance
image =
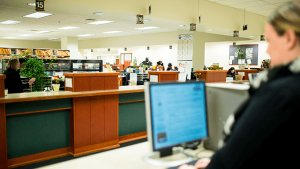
(34, 67)
(56, 83)
(241, 58)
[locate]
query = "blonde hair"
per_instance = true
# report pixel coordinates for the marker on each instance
(12, 64)
(287, 17)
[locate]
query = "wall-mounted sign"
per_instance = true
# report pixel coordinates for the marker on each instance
(140, 19)
(234, 44)
(262, 38)
(170, 47)
(125, 49)
(192, 27)
(108, 49)
(148, 48)
(245, 27)
(150, 10)
(236, 33)
(39, 5)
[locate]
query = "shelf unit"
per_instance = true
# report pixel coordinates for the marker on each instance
(40, 53)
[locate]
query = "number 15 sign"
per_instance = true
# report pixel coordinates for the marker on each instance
(39, 5)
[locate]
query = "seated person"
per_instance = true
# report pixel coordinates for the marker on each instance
(160, 63)
(231, 73)
(169, 67)
(256, 134)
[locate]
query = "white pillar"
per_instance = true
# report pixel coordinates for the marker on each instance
(70, 43)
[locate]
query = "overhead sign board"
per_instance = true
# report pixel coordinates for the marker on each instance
(40, 5)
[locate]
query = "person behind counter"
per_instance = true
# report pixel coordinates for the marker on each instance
(160, 63)
(231, 73)
(147, 62)
(13, 81)
(256, 134)
(169, 67)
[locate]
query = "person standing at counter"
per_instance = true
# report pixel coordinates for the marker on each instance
(160, 63)
(13, 80)
(169, 67)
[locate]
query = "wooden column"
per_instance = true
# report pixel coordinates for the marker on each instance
(95, 118)
(2, 85)
(164, 75)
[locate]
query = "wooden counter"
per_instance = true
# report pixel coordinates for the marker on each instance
(40, 126)
(213, 75)
(246, 71)
(164, 75)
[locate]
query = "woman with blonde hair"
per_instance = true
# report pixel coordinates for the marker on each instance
(13, 81)
(263, 132)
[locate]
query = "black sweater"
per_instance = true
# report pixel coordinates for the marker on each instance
(265, 135)
(13, 82)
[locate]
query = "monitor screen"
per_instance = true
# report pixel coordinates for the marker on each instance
(178, 113)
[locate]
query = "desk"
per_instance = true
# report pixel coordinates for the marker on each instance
(246, 71)
(40, 126)
(164, 75)
(213, 75)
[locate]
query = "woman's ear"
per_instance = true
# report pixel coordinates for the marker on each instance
(291, 39)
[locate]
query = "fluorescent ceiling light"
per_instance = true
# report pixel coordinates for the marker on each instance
(25, 35)
(181, 25)
(68, 27)
(147, 20)
(31, 4)
(10, 37)
(99, 13)
(84, 35)
(146, 28)
(10, 22)
(37, 15)
(210, 30)
(43, 32)
(113, 32)
(100, 22)
(52, 39)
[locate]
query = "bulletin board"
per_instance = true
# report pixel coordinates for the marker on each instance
(250, 52)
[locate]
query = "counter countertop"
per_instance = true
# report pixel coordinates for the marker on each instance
(23, 97)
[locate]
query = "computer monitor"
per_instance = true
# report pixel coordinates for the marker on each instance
(252, 76)
(176, 114)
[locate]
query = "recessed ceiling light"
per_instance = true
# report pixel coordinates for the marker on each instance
(100, 22)
(147, 20)
(181, 25)
(86, 35)
(42, 31)
(146, 28)
(113, 32)
(37, 15)
(99, 13)
(31, 4)
(68, 27)
(25, 35)
(10, 22)
(210, 30)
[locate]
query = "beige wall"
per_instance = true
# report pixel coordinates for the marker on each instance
(128, 41)
(28, 44)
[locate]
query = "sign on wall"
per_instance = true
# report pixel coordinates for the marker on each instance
(250, 54)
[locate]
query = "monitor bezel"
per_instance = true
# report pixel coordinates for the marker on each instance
(151, 119)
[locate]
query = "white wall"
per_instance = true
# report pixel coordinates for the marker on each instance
(218, 52)
(157, 52)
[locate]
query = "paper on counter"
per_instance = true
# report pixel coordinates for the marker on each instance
(231, 57)
(133, 78)
(153, 78)
(249, 61)
(69, 82)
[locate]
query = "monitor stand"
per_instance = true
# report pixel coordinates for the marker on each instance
(160, 159)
